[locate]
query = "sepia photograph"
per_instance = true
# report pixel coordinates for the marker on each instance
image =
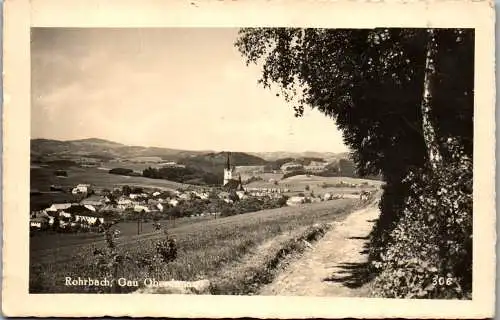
(367, 193)
(268, 161)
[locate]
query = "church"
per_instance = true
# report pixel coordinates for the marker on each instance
(231, 184)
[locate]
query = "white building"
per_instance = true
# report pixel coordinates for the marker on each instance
(296, 200)
(58, 206)
(82, 189)
(290, 166)
(173, 202)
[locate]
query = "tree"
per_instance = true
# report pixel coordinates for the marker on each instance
(56, 223)
(369, 81)
(126, 190)
(403, 98)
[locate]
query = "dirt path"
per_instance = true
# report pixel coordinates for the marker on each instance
(335, 266)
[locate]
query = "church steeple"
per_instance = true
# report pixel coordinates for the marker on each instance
(228, 161)
(228, 170)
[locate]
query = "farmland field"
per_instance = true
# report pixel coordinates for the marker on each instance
(319, 185)
(42, 178)
(204, 247)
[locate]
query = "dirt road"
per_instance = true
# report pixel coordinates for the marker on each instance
(335, 266)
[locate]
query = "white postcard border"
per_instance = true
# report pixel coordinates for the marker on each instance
(19, 15)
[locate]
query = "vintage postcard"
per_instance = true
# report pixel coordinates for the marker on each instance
(265, 159)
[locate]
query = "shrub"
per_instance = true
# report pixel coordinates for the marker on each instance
(429, 251)
(167, 249)
(61, 173)
(121, 171)
(293, 173)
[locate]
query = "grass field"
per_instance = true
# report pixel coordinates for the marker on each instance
(204, 247)
(42, 178)
(297, 184)
(42, 243)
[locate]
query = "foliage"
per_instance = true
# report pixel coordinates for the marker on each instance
(122, 171)
(371, 82)
(433, 239)
(190, 175)
(294, 173)
(253, 179)
(108, 259)
(61, 173)
(203, 248)
(239, 206)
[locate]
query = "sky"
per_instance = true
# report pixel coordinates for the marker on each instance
(173, 87)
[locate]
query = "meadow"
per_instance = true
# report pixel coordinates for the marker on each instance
(319, 185)
(204, 248)
(42, 178)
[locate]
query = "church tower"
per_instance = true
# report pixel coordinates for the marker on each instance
(228, 171)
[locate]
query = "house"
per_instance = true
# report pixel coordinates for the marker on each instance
(82, 189)
(223, 195)
(90, 207)
(291, 166)
(241, 194)
(95, 201)
(185, 196)
(89, 218)
(124, 202)
(39, 223)
(64, 214)
(316, 166)
(141, 208)
(296, 200)
(201, 195)
(173, 202)
(83, 213)
(58, 207)
(110, 209)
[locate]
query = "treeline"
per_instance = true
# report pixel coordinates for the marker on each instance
(250, 204)
(276, 164)
(196, 207)
(187, 175)
(124, 172)
(342, 168)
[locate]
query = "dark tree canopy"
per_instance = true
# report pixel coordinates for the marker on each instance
(371, 82)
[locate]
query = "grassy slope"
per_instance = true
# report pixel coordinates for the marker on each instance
(298, 184)
(42, 178)
(204, 247)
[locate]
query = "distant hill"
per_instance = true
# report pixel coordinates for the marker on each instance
(47, 150)
(102, 149)
(327, 156)
(216, 161)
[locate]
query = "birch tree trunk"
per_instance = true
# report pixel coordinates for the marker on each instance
(430, 137)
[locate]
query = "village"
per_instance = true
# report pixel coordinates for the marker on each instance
(93, 207)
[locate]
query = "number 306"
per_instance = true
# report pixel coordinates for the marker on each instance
(437, 280)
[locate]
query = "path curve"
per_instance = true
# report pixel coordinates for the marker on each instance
(335, 266)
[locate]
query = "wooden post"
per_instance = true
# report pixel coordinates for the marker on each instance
(140, 219)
